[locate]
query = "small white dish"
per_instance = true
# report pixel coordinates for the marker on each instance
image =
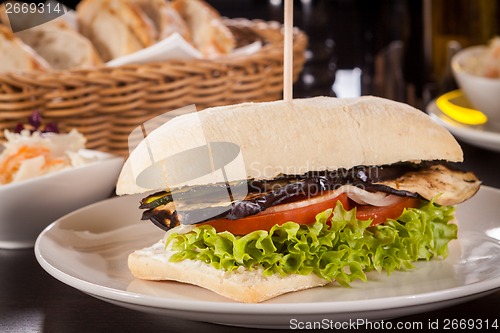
(485, 136)
(29, 206)
(483, 92)
(88, 250)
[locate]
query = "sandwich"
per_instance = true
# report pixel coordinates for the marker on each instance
(262, 199)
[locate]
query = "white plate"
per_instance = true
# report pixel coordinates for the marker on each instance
(88, 250)
(484, 136)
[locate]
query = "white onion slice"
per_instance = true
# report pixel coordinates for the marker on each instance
(363, 197)
(354, 193)
(302, 203)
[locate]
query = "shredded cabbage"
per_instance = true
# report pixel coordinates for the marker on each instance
(343, 251)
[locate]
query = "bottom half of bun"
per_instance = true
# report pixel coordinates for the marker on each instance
(243, 285)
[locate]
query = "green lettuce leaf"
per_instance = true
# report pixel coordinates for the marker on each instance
(343, 250)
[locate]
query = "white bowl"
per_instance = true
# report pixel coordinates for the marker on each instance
(482, 92)
(27, 207)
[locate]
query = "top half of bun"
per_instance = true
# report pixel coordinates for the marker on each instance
(315, 134)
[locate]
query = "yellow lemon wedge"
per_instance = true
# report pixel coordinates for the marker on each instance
(455, 105)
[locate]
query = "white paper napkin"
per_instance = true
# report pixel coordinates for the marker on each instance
(172, 47)
(175, 47)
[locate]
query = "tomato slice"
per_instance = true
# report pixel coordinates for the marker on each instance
(381, 214)
(305, 211)
(301, 212)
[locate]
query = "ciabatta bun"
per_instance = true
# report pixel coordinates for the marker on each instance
(60, 45)
(165, 18)
(314, 134)
(209, 34)
(115, 27)
(16, 56)
(241, 285)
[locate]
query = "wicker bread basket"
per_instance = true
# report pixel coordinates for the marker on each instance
(105, 104)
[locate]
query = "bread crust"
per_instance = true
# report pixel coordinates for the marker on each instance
(242, 285)
(315, 134)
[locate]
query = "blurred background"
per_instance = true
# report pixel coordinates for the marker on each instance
(399, 49)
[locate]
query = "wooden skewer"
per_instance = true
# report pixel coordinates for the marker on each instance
(288, 53)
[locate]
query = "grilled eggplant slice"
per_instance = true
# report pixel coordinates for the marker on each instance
(428, 180)
(446, 186)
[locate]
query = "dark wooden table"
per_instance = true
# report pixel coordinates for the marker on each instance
(32, 301)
